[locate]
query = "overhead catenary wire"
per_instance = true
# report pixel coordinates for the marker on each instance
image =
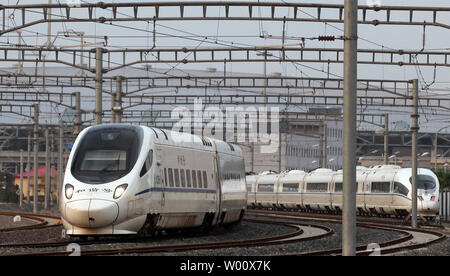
(312, 68)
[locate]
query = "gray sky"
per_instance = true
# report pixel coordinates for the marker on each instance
(240, 34)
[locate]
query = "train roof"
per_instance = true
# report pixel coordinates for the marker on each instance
(188, 140)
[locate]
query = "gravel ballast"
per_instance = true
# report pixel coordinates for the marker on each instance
(245, 230)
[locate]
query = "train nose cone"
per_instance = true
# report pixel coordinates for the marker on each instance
(92, 213)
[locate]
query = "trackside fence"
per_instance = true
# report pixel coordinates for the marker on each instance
(444, 210)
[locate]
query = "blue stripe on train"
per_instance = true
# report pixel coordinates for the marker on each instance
(176, 190)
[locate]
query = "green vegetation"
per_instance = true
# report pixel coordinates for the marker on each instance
(444, 179)
(8, 192)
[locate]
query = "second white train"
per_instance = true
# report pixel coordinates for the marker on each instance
(381, 190)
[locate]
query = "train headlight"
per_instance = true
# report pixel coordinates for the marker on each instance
(69, 191)
(120, 190)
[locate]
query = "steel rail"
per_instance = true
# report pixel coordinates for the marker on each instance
(272, 240)
(362, 249)
(40, 218)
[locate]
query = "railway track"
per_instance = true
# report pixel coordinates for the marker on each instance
(42, 221)
(304, 227)
(301, 232)
(411, 239)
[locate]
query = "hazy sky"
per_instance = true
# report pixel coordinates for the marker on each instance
(240, 34)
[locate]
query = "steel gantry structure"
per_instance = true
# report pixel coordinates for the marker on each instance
(127, 93)
(102, 12)
(120, 58)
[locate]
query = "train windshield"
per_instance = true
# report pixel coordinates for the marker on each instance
(106, 153)
(425, 182)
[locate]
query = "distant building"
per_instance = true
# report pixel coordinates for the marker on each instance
(302, 147)
(41, 182)
(303, 152)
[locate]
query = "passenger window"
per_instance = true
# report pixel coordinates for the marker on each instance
(199, 178)
(188, 178)
(205, 180)
(338, 187)
(381, 187)
(194, 179)
(317, 187)
(290, 187)
(268, 188)
(177, 178)
(170, 178)
(183, 178)
(165, 177)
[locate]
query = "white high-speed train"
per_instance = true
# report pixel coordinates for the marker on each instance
(123, 179)
(381, 190)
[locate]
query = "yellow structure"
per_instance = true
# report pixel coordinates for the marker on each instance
(41, 182)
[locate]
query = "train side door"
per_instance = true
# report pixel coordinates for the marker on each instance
(161, 175)
(217, 173)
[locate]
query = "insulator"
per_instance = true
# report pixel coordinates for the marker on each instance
(326, 38)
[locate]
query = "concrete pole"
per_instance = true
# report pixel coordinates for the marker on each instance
(117, 108)
(98, 85)
(77, 121)
(21, 180)
(21, 57)
(49, 26)
(349, 164)
(266, 80)
(60, 160)
(324, 145)
(28, 169)
(279, 149)
(253, 157)
(435, 151)
(36, 161)
(414, 130)
(47, 170)
(386, 138)
(52, 148)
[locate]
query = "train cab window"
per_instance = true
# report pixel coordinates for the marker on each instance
(205, 180)
(147, 164)
(177, 178)
(170, 177)
(290, 187)
(317, 187)
(424, 182)
(183, 178)
(249, 187)
(266, 188)
(106, 153)
(381, 187)
(199, 178)
(188, 178)
(194, 179)
(399, 188)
